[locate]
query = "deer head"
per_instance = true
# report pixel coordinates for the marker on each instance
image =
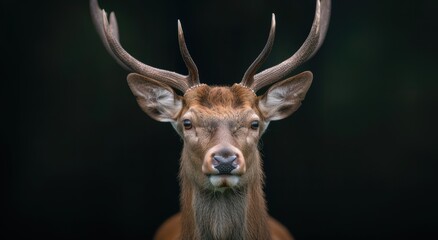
(220, 125)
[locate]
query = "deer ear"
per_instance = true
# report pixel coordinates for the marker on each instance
(157, 100)
(284, 98)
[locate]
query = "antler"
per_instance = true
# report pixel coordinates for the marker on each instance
(108, 32)
(248, 77)
(307, 50)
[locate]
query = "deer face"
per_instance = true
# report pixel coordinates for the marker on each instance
(220, 126)
(221, 139)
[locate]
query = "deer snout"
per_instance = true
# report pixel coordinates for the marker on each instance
(224, 163)
(223, 160)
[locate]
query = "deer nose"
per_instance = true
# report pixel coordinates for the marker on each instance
(224, 161)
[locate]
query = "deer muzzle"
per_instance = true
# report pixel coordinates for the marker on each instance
(223, 165)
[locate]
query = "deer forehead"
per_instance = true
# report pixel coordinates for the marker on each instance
(220, 97)
(214, 102)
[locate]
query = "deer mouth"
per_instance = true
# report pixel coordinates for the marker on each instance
(224, 181)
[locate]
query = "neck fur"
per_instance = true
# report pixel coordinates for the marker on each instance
(237, 214)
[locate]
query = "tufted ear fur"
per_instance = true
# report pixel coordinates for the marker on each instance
(284, 98)
(157, 100)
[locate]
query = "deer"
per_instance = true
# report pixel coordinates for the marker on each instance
(221, 176)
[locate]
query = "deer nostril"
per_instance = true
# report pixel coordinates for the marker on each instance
(225, 168)
(224, 164)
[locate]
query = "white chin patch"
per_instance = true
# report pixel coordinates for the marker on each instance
(224, 181)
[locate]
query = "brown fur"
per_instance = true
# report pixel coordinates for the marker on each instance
(219, 98)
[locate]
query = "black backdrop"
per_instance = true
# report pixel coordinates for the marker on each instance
(80, 159)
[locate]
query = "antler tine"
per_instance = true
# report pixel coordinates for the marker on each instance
(190, 64)
(111, 41)
(307, 50)
(96, 14)
(248, 77)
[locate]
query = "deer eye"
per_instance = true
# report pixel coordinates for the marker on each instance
(254, 125)
(187, 124)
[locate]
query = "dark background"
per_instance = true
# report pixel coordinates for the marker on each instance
(81, 160)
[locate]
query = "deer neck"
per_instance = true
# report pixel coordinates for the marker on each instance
(230, 214)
